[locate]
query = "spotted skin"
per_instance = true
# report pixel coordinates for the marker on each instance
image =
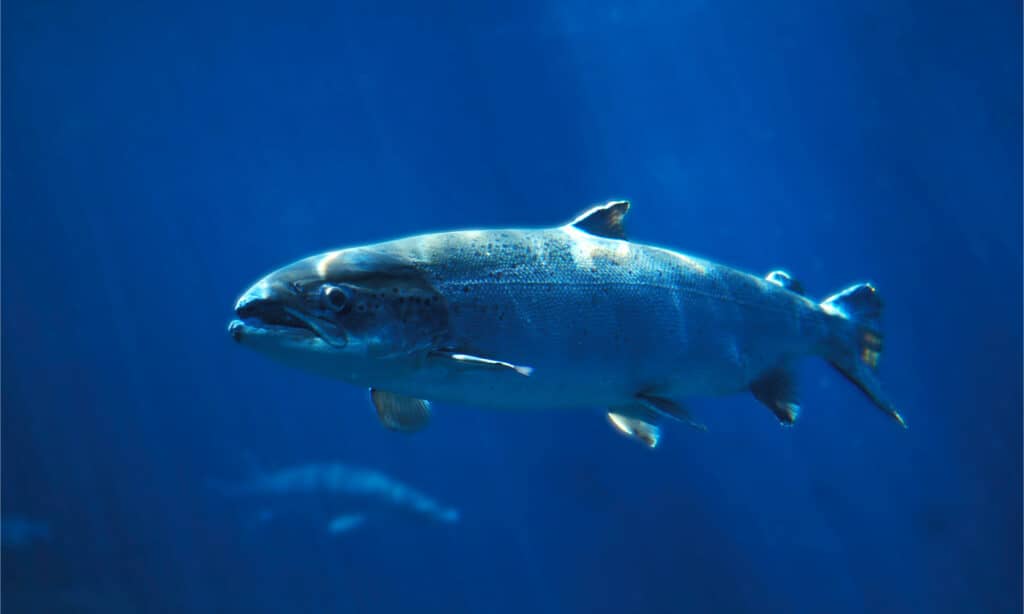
(600, 320)
(594, 321)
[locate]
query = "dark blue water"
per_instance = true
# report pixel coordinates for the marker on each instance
(159, 157)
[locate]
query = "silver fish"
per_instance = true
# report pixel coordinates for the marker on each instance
(573, 316)
(339, 479)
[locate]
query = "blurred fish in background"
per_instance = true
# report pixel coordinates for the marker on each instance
(330, 490)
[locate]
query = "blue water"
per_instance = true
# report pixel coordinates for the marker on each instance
(159, 157)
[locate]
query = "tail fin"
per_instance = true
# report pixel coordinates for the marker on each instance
(857, 348)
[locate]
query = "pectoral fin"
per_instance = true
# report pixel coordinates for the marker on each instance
(400, 413)
(667, 407)
(777, 389)
(468, 360)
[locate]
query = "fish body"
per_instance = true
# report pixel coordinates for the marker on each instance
(326, 480)
(574, 316)
(598, 320)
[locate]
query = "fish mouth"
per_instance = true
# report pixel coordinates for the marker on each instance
(264, 317)
(312, 324)
(268, 317)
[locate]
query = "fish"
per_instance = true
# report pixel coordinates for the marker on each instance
(575, 316)
(335, 480)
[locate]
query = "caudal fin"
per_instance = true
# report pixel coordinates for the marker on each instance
(856, 349)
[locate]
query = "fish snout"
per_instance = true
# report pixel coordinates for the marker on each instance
(264, 312)
(249, 307)
(274, 307)
(260, 292)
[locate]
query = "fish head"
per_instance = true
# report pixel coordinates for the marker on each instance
(345, 313)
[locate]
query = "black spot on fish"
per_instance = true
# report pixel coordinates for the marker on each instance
(465, 288)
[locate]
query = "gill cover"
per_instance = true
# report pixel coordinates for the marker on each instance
(380, 301)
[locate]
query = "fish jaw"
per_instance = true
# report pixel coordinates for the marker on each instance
(360, 315)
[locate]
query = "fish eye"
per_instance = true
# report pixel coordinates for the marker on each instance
(333, 298)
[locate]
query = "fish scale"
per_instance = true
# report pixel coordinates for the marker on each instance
(574, 316)
(612, 317)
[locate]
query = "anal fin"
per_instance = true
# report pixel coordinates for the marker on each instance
(777, 389)
(400, 413)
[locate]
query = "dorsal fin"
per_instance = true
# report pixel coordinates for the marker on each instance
(782, 278)
(603, 220)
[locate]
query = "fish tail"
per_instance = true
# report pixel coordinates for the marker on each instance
(857, 346)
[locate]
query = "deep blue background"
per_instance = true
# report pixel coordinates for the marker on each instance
(159, 157)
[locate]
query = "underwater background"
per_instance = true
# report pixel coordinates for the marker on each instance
(159, 157)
